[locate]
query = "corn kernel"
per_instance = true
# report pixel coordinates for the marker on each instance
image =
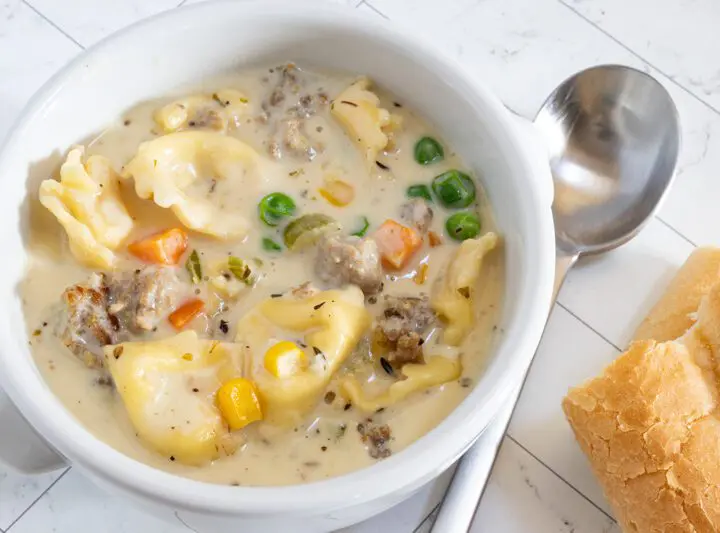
(239, 403)
(421, 275)
(339, 193)
(285, 359)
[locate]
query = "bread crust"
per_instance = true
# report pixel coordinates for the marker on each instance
(675, 312)
(650, 424)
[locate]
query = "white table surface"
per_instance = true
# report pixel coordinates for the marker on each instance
(523, 48)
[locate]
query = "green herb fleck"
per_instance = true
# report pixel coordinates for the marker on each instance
(363, 230)
(192, 265)
(270, 245)
(340, 433)
(240, 270)
(419, 191)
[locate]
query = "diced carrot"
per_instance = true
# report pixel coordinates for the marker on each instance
(397, 243)
(434, 239)
(186, 312)
(163, 248)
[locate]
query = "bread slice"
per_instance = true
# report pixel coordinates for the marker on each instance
(650, 424)
(675, 313)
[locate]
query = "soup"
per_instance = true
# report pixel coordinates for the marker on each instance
(275, 277)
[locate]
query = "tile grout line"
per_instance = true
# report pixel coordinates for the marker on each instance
(675, 231)
(58, 28)
(641, 58)
(38, 499)
(584, 323)
(427, 517)
(376, 10)
(575, 489)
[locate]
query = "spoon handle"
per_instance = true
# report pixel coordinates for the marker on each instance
(462, 498)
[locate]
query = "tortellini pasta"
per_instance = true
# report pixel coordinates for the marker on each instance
(168, 388)
(417, 377)
(331, 323)
(193, 173)
(86, 201)
(216, 111)
(452, 296)
(358, 110)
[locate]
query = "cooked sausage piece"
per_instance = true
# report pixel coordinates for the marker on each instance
(108, 308)
(296, 142)
(83, 322)
(401, 327)
(143, 297)
(376, 438)
(350, 260)
(417, 213)
(286, 108)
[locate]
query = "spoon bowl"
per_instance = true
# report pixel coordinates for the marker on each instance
(612, 133)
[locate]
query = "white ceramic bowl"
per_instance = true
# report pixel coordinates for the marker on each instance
(182, 46)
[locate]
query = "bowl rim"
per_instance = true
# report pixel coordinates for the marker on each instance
(417, 463)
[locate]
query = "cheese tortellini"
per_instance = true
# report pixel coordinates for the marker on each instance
(330, 323)
(217, 111)
(416, 377)
(194, 173)
(86, 201)
(168, 388)
(452, 296)
(358, 110)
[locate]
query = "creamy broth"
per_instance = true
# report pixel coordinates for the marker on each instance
(327, 442)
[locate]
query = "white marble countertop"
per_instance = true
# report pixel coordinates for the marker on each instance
(523, 48)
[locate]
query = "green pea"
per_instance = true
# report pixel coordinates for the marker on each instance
(270, 245)
(419, 191)
(464, 225)
(428, 150)
(274, 207)
(362, 231)
(455, 189)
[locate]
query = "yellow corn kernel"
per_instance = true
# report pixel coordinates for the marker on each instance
(339, 193)
(239, 403)
(285, 359)
(421, 275)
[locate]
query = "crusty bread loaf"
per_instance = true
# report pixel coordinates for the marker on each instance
(674, 314)
(650, 423)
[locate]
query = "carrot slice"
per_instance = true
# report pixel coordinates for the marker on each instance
(434, 239)
(163, 248)
(397, 243)
(186, 312)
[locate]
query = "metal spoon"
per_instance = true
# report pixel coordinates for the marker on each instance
(612, 134)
